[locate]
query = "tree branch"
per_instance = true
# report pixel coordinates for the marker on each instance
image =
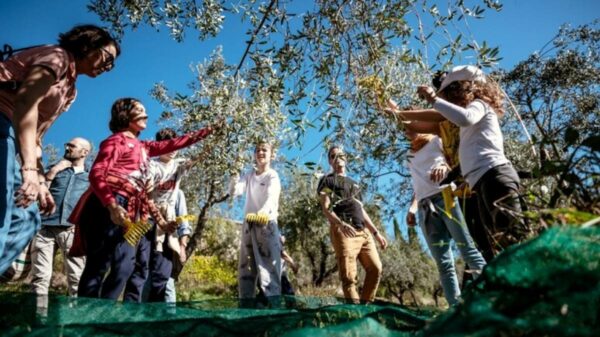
(251, 42)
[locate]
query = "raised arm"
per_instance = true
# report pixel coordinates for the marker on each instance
(460, 116)
(157, 148)
(425, 115)
(424, 127)
(237, 186)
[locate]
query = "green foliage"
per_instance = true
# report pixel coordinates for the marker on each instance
(206, 276)
(306, 229)
(206, 18)
(250, 110)
(557, 92)
(560, 216)
(301, 71)
(323, 50)
(222, 238)
(408, 271)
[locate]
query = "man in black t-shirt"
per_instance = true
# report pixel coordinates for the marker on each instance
(352, 230)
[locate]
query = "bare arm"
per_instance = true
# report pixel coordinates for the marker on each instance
(425, 115)
(334, 220)
(325, 202)
(369, 225)
(53, 171)
(411, 218)
(423, 127)
(25, 119)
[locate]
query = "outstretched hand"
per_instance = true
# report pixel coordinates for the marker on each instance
(218, 125)
(427, 93)
(391, 107)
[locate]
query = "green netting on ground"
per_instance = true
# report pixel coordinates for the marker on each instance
(549, 286)
(92, 317)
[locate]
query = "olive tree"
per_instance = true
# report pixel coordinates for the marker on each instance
(304, 73)
(557, 92)
(247, 112)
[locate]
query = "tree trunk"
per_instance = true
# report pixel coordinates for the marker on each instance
(198, 231)
(313, 268)
(414, 298)
(322, 264)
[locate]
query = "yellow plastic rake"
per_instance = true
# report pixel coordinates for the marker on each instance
(135, 230)
(259, 219)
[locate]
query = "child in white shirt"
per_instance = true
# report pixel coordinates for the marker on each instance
(260, 250)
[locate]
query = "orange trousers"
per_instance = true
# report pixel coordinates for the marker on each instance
(348, 250)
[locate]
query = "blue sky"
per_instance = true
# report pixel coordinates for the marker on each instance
(148, 57)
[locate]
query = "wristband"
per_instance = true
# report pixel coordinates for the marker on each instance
(29, 168)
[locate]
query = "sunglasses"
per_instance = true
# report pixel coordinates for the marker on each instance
(108, 62)
(140, 118)
(337, 155)
(70, 146)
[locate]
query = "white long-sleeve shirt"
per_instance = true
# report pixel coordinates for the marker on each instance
(421, 163)
(262, 192)
(481, 143)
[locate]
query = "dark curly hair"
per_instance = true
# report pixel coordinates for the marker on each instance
(438, 78)
(120, 113)
(462, 93)
(166, 133)
(84, 39)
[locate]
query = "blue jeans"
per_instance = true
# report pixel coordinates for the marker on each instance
(171, 292)
(110, 259)
(438, 228)
(152, 271)
(135, 289)
(19, 225)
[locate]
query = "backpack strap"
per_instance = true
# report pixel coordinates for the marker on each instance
(8, 51)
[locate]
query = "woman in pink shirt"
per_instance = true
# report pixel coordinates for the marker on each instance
(118, 180)
(36, 86)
